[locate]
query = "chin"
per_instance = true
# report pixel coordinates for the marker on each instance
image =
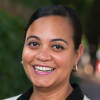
(42, 83)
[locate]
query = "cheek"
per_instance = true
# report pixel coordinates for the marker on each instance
(64, 60)
(28, 55)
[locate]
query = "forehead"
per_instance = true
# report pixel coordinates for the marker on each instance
(51, 24)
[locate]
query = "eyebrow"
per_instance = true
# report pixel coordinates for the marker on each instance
(36, 37)
(33, 37)
(59, 40)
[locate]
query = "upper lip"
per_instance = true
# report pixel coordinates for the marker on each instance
(41, 65)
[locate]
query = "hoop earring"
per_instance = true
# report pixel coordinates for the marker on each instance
(21, 62)
(75, 69)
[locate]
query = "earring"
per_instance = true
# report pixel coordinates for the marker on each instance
(75, 69)
(21, 62)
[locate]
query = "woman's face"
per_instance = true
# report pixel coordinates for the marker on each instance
(48, 53)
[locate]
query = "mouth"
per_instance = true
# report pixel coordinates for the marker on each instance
(43, 70)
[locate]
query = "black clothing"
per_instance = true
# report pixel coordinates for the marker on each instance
(75, 95)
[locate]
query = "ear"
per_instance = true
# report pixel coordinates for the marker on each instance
(78, 54)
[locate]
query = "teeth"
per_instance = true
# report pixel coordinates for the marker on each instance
(42, 69)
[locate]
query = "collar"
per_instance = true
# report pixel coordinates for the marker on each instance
(26, 95)
(75, 95)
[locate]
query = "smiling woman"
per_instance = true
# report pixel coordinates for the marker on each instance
(52, 47)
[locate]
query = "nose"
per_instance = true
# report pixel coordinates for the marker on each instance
(43, 55)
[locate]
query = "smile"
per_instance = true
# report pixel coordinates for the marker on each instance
(43, 70)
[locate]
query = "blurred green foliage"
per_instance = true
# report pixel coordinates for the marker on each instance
(12, 77)
(36, 4)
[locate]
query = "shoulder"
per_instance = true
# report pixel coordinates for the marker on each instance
(13, 98)
(85, 98)
(77, 93)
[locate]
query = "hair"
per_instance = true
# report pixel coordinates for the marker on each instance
(64, 12)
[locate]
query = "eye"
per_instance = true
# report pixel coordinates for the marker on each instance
(57, 47)
(33, 44)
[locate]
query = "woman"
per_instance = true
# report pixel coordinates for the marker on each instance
(52, 47)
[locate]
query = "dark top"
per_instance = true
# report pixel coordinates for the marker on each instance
(75, 95)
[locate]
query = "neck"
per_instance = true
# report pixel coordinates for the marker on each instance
(51, 93)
